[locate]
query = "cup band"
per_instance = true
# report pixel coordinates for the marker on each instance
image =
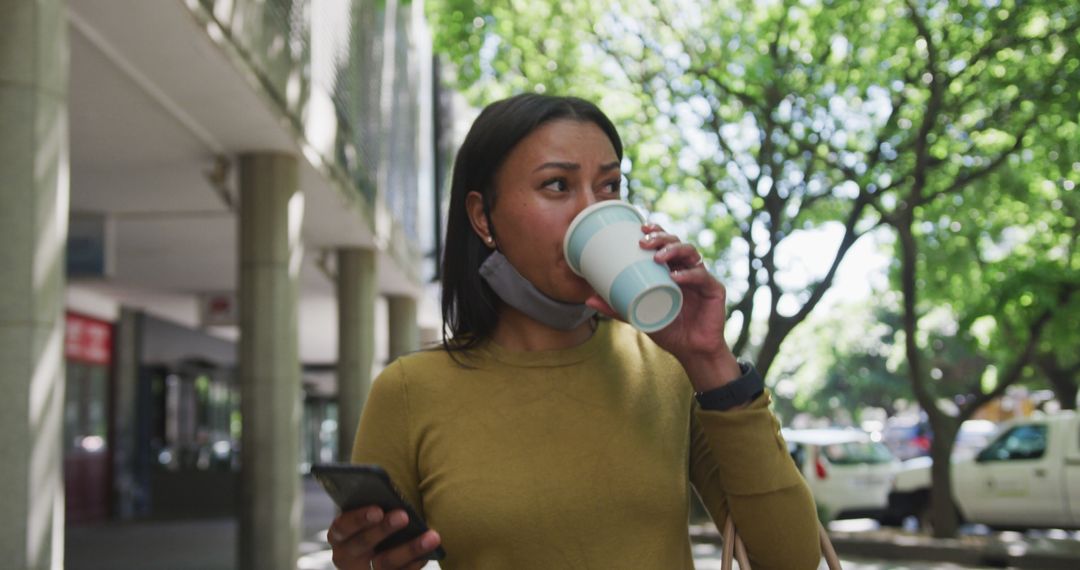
(590, 221)
(641, 308)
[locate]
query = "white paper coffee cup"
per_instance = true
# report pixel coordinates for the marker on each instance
(602, 246)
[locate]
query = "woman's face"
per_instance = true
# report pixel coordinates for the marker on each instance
(555, 172)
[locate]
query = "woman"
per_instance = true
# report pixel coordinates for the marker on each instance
(542, 435)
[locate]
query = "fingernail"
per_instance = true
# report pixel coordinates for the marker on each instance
(429, 541)
(374, 515)
(398, 519)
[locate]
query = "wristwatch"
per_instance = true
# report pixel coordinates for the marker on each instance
(744, 389)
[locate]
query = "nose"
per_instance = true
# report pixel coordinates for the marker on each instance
(585, 199)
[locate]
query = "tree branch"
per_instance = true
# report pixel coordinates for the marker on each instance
(1035, 330)
(909, 316)
(818, 289)
(714, 121)
(974, 174)
(999, 42)
(933, 109)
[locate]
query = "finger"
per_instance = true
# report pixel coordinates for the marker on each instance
(353, 552)
(352, 522)
(700, 279)
(597, 302)
(650, 227)
(679, 256)
(657, 240)
(363, 543)
(406, 555)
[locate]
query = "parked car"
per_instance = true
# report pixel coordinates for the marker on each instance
(1027, 477)
(907, 437)
(849, 473)
(910, 438)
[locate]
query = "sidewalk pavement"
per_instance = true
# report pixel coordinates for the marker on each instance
(190, 544)
(1000, 550)
(210, 544)
(1013, 550)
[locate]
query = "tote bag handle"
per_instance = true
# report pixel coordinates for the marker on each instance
(734, 548)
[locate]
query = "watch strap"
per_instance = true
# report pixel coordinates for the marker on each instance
(744, 389)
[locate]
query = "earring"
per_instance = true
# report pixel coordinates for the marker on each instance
(490, 240)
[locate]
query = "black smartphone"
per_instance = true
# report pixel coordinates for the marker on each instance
(355, 486)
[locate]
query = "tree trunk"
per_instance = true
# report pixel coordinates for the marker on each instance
(1063, 380)
(942, 508)
(1066, 391)
(943, 514)
(770, 347)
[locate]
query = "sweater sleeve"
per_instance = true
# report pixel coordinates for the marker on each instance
(739, 463)
(383, 436)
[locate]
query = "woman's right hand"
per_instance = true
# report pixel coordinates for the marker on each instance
(354, 534)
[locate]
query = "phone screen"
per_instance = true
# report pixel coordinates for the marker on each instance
(356, 486)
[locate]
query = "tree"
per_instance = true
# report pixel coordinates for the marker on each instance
(986, 107)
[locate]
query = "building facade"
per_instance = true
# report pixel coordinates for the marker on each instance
(216, 217)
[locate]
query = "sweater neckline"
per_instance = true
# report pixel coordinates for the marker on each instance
(550, 358)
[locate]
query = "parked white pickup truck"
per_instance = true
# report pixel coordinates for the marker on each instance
(1029, 476)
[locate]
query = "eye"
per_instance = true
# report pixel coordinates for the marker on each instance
(613, 186)
(556, 184)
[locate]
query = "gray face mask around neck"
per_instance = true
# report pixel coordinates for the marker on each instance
(522, 295)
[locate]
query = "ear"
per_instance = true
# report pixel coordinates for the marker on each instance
(474, 206)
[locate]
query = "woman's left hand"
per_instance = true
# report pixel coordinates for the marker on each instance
(696, 336)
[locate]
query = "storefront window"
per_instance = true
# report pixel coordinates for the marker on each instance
(319, 442)
(197, 419)
(85, 422)
(88, 356)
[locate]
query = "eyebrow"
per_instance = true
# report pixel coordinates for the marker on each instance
(574, 166)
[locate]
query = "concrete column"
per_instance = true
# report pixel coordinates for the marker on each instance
(125, 398)
(404, 331)
(271, 210)
(33, 236)
(356, 291)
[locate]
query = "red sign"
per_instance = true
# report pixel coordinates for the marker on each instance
(88, 340)
(219, 309)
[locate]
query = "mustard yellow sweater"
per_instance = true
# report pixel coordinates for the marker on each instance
(581, 458)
